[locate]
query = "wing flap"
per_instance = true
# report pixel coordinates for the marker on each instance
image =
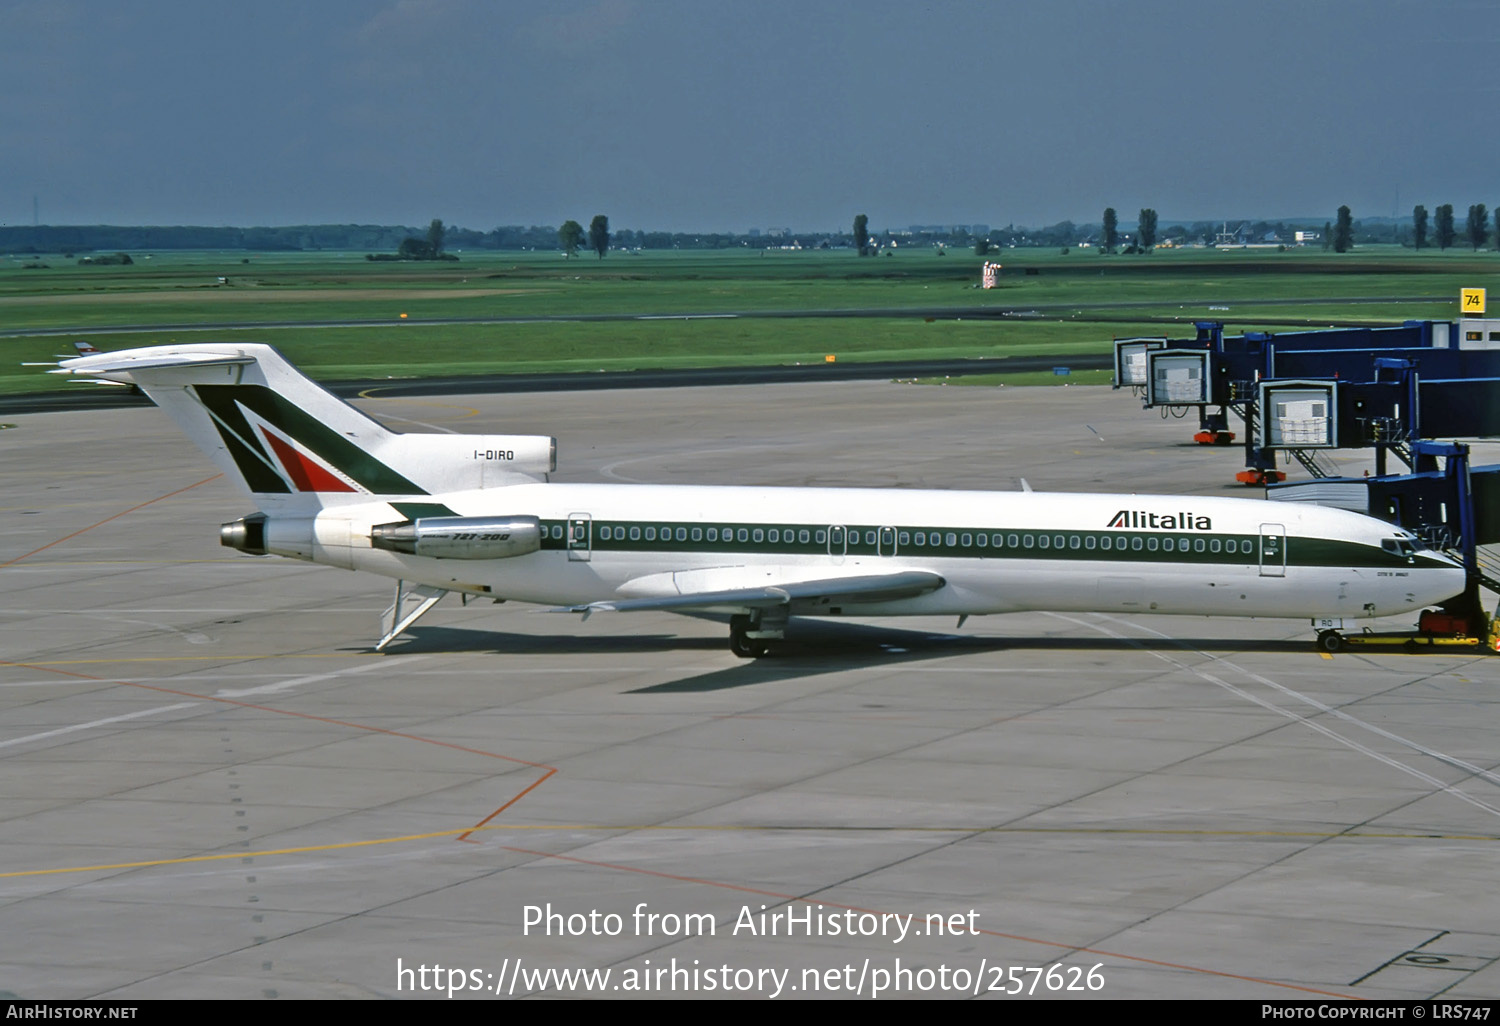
(799, 596)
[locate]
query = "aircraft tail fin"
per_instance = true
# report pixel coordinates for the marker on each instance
(288, 441)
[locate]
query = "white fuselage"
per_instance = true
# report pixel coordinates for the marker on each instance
(997, 551)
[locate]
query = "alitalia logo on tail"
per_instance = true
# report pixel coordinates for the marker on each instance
(1161, 521)
(306, 473)
(279, 448)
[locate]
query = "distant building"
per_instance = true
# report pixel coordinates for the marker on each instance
(947, 229)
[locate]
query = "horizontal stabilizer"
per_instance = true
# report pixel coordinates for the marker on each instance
(291, 443)
(118, 366)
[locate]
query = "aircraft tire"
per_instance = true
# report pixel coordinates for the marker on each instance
(747, 648)
(1330, 641)
(742, 646)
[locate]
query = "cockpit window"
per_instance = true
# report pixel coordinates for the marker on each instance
(1405, 548)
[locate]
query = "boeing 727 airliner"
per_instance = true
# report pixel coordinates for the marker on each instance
(475, 514)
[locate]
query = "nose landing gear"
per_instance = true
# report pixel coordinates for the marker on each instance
(1331, 641)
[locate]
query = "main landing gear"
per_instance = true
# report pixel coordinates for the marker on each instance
(750, 634)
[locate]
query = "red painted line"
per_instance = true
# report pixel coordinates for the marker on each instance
(283, 712)
(550, 770)
(106, 520)
(465, 835)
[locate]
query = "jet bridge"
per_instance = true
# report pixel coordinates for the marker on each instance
(1393, 390)
(1216, 374)
(1454, 507)
(1384, 380)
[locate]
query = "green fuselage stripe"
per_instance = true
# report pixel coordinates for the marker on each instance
(1183, 547)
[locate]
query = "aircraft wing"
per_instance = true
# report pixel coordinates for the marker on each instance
(800, 596)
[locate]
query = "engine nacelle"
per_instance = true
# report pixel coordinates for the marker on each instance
(261, 535)
(457, 463)
(460, 537)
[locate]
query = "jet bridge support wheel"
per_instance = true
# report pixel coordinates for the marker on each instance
(1330, 641)
(740, 643)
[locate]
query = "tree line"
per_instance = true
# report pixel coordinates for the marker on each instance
(1445, 234)
(1435, 229)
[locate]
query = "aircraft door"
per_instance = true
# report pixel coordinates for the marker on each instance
(580, 537)
(887, 541)
(838, 542)
(1272, 550)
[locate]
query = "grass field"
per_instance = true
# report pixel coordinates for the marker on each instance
(1082, 300)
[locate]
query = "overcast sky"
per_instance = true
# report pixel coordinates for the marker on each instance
(702, 115)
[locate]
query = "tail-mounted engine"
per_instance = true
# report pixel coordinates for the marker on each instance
(460, 537)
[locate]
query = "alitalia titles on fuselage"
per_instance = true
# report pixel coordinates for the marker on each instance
(1139, 518)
